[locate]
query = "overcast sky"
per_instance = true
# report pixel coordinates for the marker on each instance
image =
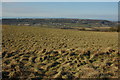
(83, 10)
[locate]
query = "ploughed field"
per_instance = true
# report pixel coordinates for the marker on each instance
(35, 52)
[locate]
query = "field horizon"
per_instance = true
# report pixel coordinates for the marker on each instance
(59, 40)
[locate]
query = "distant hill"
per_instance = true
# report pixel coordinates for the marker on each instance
(59, 23)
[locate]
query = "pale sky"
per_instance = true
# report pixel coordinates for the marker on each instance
(60, 0)
(82, 10)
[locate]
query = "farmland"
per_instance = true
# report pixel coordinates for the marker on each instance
(37, 52)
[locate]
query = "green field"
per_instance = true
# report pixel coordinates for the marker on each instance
(37, 52)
